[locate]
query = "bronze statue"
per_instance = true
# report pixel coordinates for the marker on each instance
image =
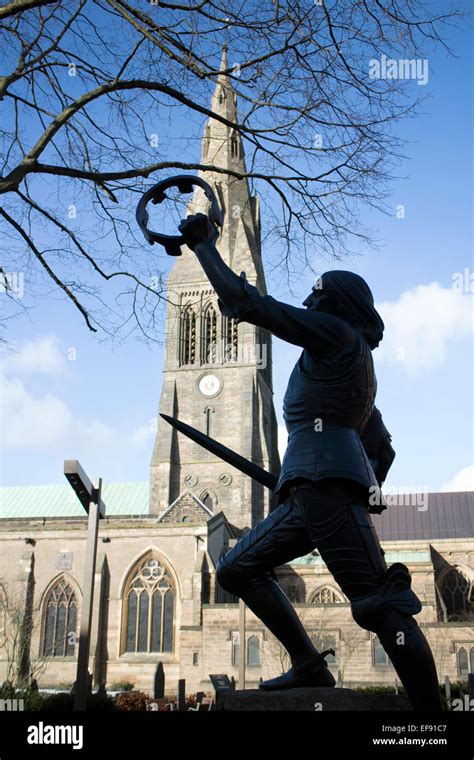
(338, 453)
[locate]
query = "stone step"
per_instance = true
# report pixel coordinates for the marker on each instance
(309, 700)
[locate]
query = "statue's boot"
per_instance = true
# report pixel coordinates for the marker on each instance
(266, 598)
(314, 673)
(411, 656)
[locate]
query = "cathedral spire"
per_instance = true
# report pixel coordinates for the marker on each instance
(239, 241)
(224, 98)
(221, 144)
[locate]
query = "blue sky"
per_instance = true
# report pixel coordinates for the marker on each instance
(67, 395)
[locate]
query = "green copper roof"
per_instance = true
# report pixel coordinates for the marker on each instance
(393, 556)
(61, 501)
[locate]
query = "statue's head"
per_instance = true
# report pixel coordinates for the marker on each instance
(346, 295)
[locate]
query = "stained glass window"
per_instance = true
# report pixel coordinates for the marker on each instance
(327, 595)
(150, 599)
(60, 621)
(456, 592)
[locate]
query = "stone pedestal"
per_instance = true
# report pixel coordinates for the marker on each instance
(309, 700)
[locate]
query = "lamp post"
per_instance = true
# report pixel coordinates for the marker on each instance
(242, 633)
(89, 494)
(242, 648)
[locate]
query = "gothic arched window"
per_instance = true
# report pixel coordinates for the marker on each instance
(60, 621)
(188, 337)
(149, 601)
(253, 651)
(326, 595)
(463, 662)
(380, 657)
(230, 334)
(235, 649)
(456, 592)
(209, 333)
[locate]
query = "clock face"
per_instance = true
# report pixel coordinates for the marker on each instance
(209, 385)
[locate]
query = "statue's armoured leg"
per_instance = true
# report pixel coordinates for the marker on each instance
(382, 600)
(246, 571)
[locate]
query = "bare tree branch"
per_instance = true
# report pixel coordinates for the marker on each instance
(85, 83)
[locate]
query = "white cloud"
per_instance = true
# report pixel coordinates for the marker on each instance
(44, 423)
(107, 450)
(29, 422)
(33, 422)
(40, 356)
(420, 324)
(462, 481)
(142, 435)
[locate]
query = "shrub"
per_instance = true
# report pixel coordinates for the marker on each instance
(65, 686)
(7, 690)
(34, 701)
(121, 686)
(131, 701)
(380, 689)
(459, 688)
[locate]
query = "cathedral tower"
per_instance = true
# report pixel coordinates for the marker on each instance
(217, 374)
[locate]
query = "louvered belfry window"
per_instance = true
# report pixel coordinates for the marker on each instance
(231, 339)
(188, 337)
(210, 335)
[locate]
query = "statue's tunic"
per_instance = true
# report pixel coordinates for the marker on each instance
(331, 391)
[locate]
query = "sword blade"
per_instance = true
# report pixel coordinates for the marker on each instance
(231, 457)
